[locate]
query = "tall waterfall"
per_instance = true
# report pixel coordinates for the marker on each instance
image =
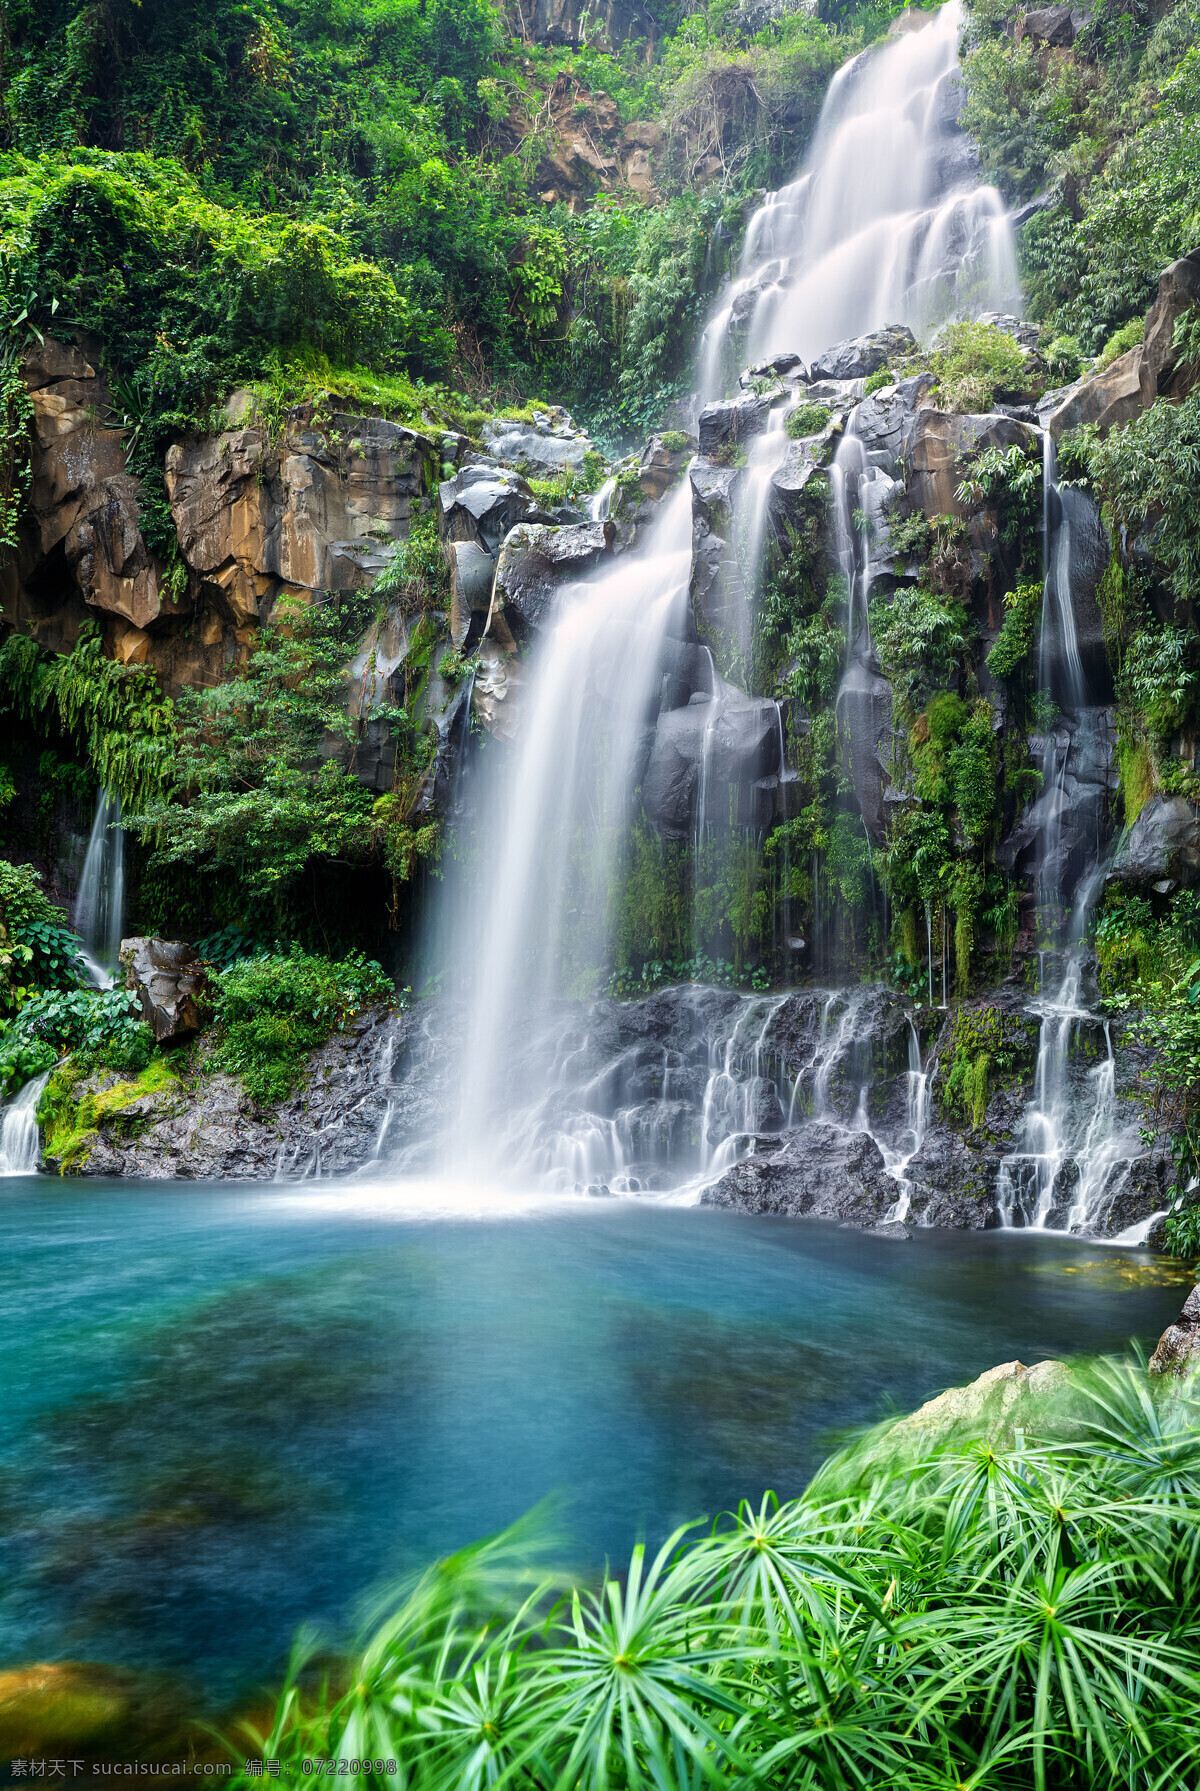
(885, 223)
(536, 926)
(99, 905)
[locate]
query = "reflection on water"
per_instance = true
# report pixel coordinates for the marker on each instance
(227, 1414)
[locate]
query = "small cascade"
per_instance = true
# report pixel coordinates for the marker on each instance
(602, 500)
(99, 906)
(1074, 1152)
(20, 1141)
(766, 455)
(897, 1158)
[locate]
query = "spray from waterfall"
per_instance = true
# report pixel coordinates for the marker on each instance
(99, 906)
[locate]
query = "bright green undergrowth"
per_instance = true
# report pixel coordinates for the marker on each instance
(272, 1010)
(978, 1611)
(71, 1120)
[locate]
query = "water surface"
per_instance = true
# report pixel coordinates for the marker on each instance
(229, 1412)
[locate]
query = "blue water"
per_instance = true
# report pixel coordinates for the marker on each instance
(229, 1413)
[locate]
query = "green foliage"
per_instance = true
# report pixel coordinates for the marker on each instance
(966, 1608)
(917, 633)
(806, 419)
(100, 1027)
(273, 1010)
(975, 362)
(115, 715)
(1063, 359)
(1120, 342)
(875, 382)
(71, 1114)
(1147, 472)
(1011, 478)
(1161, 677)
(1022, 609)
(658, 973)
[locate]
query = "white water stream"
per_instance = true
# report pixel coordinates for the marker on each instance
(100, 904)
(20, 1143)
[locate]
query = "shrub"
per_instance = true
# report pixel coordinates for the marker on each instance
(975, 361)
(1022, 608)
(274, 1009)
(807, 419)
(99, 1027)
(1120, 342)
(1149, 472)
(875, 382)
(943, 1606)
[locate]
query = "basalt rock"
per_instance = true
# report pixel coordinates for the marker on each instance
(936, 445)
(539, 448)
(729, 421)
(482, 502)
(863, 355)
(864, 710)
(537, 563)
(884, 422)
(820, 1171)
(171, 986)
(1162, 848)
(732, 741)
(574, 22)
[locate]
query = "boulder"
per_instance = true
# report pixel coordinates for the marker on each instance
(820, 1171)
(482, 502)
(796, 481)
(472, 574)
(1178, 1351)
(994, 1405)
(660, 466)
(1162, 846)
(1161, 373)
(729, 421)
(863, 355)
(1057, 26)
(536, 562)
(951, 1184)
(937, 444)
(540, 447)
(1107, 398)
(171, 986)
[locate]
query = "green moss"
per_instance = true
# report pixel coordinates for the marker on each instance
(807, 419)
(989, 1047)
(1137, 777)
(71, 1122)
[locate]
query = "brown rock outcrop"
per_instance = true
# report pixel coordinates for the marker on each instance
(1178, 1349)
(171, 986)
(938, 441)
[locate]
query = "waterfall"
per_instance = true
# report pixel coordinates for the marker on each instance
(536, 926)
(885, 222)
(20, 1143)
(99, 906)
(916, 1124)
(602, 499)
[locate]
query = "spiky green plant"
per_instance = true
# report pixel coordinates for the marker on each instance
(978, 1613)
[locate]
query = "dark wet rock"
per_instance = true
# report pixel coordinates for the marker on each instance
(952, 1184)
(864, 709)
(204, 1126)
(1162, 846)
(170, 984)
(660, 467)
(572, 23)
(536, 563)
(687, 672)
(482, 502)
(1058, 26)
(1085, 548)
(736, 736)
(472, 571)
(936, 445)
(1178, 1349)
(895, 1229)
(863, 355)
(729, 421)
(885, 421)
(796, 482)
(821, 1171)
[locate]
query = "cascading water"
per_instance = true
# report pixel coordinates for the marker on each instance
(885, 223)
(537, 924)
(99, 906)
(20, 1143)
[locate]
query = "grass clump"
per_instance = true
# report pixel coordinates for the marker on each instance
(875, 382)
(274, 1009)
(951, 1605)
(974, 362)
